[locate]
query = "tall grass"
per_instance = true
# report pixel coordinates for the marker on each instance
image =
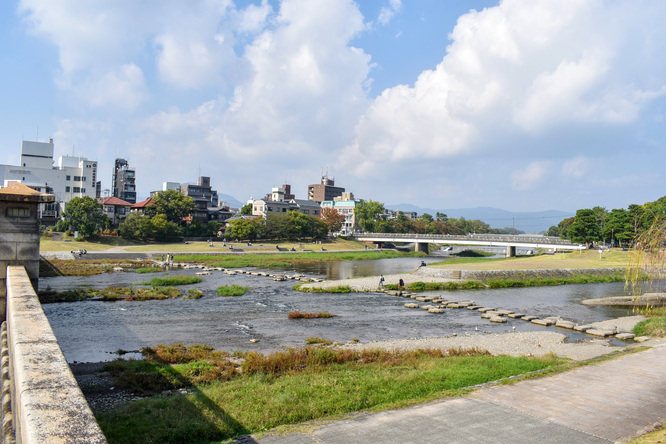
(289, 387)
(232, 290)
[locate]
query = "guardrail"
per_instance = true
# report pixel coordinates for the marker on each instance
(47, 404)
(482, 237)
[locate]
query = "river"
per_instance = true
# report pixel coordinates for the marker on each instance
(92, 331)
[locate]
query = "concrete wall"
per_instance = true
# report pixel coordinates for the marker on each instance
(47, 404)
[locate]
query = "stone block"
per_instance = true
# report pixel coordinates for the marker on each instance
(411, 305)
(529, 318)
(473, 307)
(565, 324)
(436, 310)
(625, 336)
(504, 312)
(485, 309)
(543, 322)
(601, 333)
(582, 328)
(642, 338)
(516, 315)
(498, 319)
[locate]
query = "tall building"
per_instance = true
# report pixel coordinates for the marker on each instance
(326, 190)
(123, 181)
(68, 178)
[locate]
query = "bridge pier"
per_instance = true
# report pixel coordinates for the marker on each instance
(510, 251)
(421, 247)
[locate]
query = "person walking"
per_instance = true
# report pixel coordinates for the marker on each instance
(381, 281)
(401, 284)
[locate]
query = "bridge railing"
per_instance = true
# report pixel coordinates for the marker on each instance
(482, 237)
(47, 404)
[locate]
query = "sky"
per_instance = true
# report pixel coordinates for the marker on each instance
(514, 104)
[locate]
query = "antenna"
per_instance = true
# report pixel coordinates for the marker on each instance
(37, 134)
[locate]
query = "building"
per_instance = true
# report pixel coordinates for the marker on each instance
(123, 181)
(115, 209)
(205, 198)
(70, 177)
(345, 205)
(326, 190)
(280, 200)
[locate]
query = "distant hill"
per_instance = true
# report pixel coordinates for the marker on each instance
(230, 200)
(528, 221)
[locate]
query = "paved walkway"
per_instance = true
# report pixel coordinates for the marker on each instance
(602, 403)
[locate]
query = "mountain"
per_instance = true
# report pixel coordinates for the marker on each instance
(527, 221)
(230, 200)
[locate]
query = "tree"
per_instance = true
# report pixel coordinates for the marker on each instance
(585, 228)
(367, 213)
(145, 228)
(563, 227)
(85, 215)
(553, 231)
(246, 210)
(172, 204)
(618, 227)
(441, 217)
(332, 219)
(248, 229)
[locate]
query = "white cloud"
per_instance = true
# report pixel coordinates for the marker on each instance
(124, 88)
(520, 69)
(387, 12)
(530, 177)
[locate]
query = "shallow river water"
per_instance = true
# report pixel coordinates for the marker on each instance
(91, 331)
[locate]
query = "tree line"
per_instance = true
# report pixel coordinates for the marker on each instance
(618, 227)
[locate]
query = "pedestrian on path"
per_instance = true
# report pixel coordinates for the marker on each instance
(381, 281)
(401, 284)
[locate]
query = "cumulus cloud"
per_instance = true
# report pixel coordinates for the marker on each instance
(521, 68)
(387, 12)
(576, 167)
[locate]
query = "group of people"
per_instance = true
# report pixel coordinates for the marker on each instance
(401, 283)
(169, 258)
(79, 252)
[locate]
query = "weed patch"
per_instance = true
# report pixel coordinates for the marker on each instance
(173, 280)
(298, 315)
(232, 290)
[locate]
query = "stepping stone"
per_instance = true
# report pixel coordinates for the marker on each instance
(422, 299)
(487, 316)
(448, 302)
(466, 304)
(641, 338)
(504, 312)
(406, 296)
(485, 309)
(473, 307)
(498, 320)
(453, 306)
(601, 333)
(565, 324)
(625, 336)
(582, 328)
(529, 318)
(544, 322)
(427, 307)
(436, 310)
(411, 305)
(516, 315)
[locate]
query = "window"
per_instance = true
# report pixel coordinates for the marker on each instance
(66, 189)
(18, 212)
(83, 190)
(68, 177)
(77, 178)
(77, 189)
(83, 179)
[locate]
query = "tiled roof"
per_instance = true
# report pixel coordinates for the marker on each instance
(143, 203)
(111, 200)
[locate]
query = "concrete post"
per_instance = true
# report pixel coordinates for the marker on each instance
(19, 233)
(422, 247)
(510, 251)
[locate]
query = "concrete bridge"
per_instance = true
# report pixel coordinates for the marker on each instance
(41, 401)
(421, 241)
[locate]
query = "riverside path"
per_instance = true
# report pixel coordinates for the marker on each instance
(605, 402)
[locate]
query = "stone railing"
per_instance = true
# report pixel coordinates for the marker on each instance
(47, 405)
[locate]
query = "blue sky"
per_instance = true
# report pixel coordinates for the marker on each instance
(514, 104)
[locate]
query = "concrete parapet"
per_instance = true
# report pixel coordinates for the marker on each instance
(47, 404)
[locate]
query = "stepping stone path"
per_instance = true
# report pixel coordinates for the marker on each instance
(565, 324)
(602, 333)
(625, 336)
(582, 328)
(504, 312)
(473, 307)
(436, 310)
(485, 309)
(544, 322)
(516, 315)
(498, 319)
(411, 305)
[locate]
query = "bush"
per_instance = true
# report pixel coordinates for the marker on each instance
(173, 280)
(231, 290)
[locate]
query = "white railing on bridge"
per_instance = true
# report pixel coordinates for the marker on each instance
(472, 239)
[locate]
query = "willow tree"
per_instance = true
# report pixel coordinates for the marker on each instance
(647, 269)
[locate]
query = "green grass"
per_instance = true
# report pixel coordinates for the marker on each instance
(473, 254)
(173, 280)
(300, 315)
(193, 293)
(338, 289)
(285, 260)
(232, 290)
(654, 325)
(135, 293)
(290, 387)
(50, 297)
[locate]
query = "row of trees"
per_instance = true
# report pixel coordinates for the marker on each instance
(371, 218)
(291, 225)
(619, 227)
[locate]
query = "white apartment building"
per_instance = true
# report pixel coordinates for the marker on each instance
(68, 178)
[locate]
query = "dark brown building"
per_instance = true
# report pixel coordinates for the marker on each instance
(326, 190)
